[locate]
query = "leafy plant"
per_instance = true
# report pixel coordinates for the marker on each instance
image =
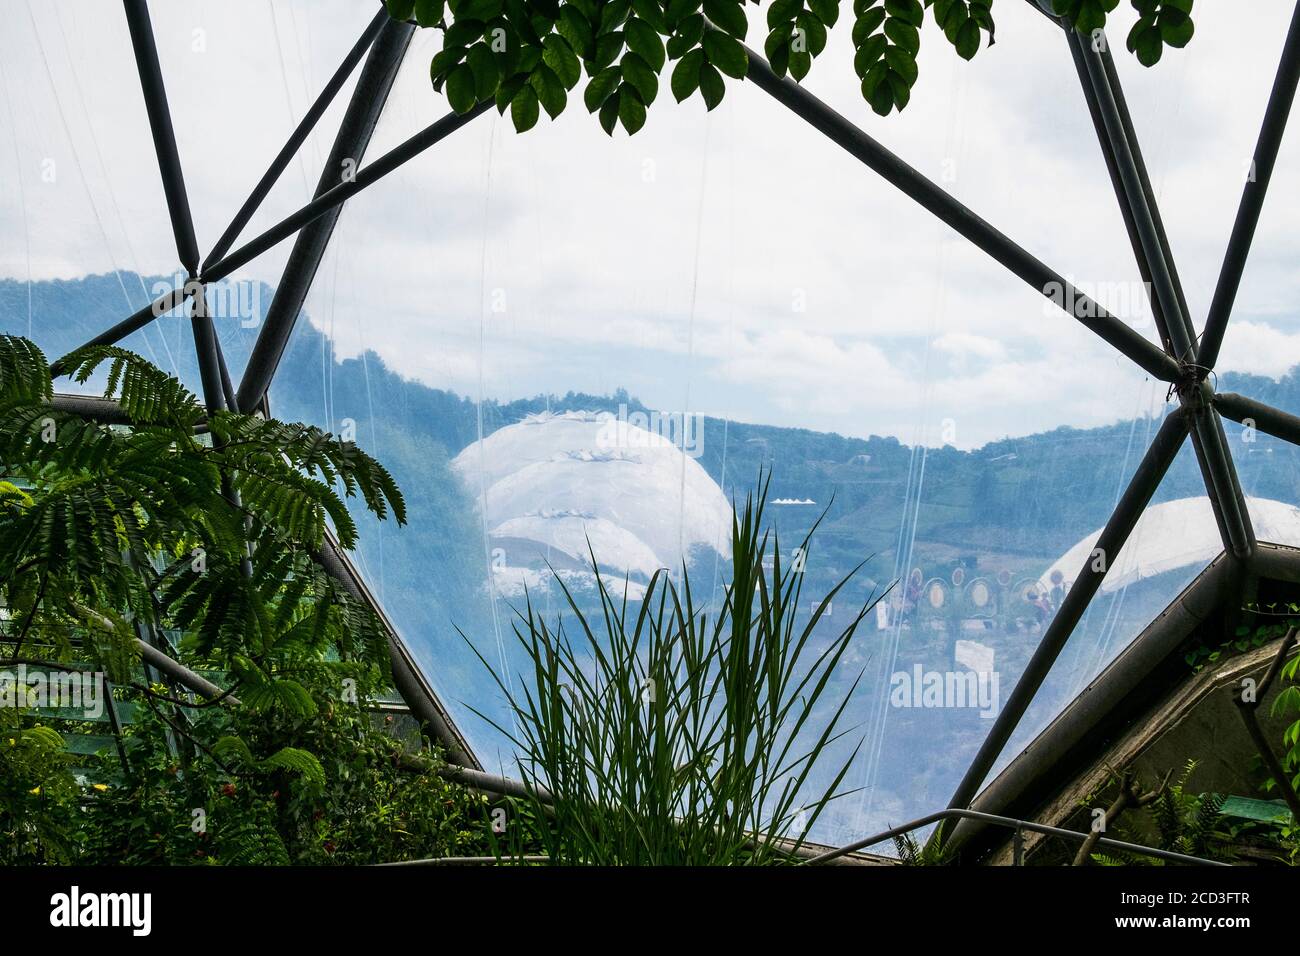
(208, 525)
(667, 736)
(1183, 822)
(933, 852)
(528, 55)
(37, 791)
(338, 788)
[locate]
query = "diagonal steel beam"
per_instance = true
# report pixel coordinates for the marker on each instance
(295, 141)
(158, 307)
(1126, 121)
(1137, 199)
(205, 342)
(1265, 418)
(930, 196)
(1117, 184)
(164, 136)
(1252, 197)
(1134, 501)
(326, 205)
(358, 125)
(1153, 252)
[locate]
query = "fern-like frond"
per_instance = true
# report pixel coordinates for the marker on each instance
(24, 372)
(147, 394)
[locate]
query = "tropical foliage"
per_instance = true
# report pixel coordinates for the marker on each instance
(528, 55)
(675, 732)
(205, 526)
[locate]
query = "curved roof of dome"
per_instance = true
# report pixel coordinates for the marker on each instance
(1173, 535)
(558, 478)
(572, 533)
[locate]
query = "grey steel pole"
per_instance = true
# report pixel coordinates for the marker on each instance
(1134, 501)
(295, 141)
(1265, 418)
(931, 197)
(1143, 218)
(164, 136)
(354, 134)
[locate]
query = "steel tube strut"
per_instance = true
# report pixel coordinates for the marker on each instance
(1117, 184)
(205, 344)
(1139, 199)
(1126, 120)
(1265, 418)
(1219, 460)
(1161, 276)
(1136, 496)
(158, 307)
(350, 143)
(164, 136)
(295, 141)
(916, 186)
(329, 201)
(1252, 196)
(962, 814)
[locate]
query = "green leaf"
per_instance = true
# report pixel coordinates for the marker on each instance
(800, 64)
(712, 87)
(428, 13)
(1176, 31)
(689, 33)
(686, 75)
(608, 48)
(463, 33)
(906, 11)
(550, 90)
(968, 40)
(1144, 40)
(523, 109)
(902, 64)
(609, 113)
(600, 86)
(460, 89)
(645, 41)
(559, 56)
(867, 24)
(777, 50)
(638, 73)
(652, 12)
(729, 16)
(827, 11)
(813, 33)
(782, 12)
(903, 34)
(870, 53)
(507, 91)
(400, 9)
(679, 9)
(487, 77)
(576, 28)
(726, 54)
(631, 112)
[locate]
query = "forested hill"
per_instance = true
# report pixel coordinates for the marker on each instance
(1033, 493)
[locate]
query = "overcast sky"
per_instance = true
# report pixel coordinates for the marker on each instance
(732, 263)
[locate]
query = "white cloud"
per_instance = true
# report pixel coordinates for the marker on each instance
(736, 261)
(1258, 348)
